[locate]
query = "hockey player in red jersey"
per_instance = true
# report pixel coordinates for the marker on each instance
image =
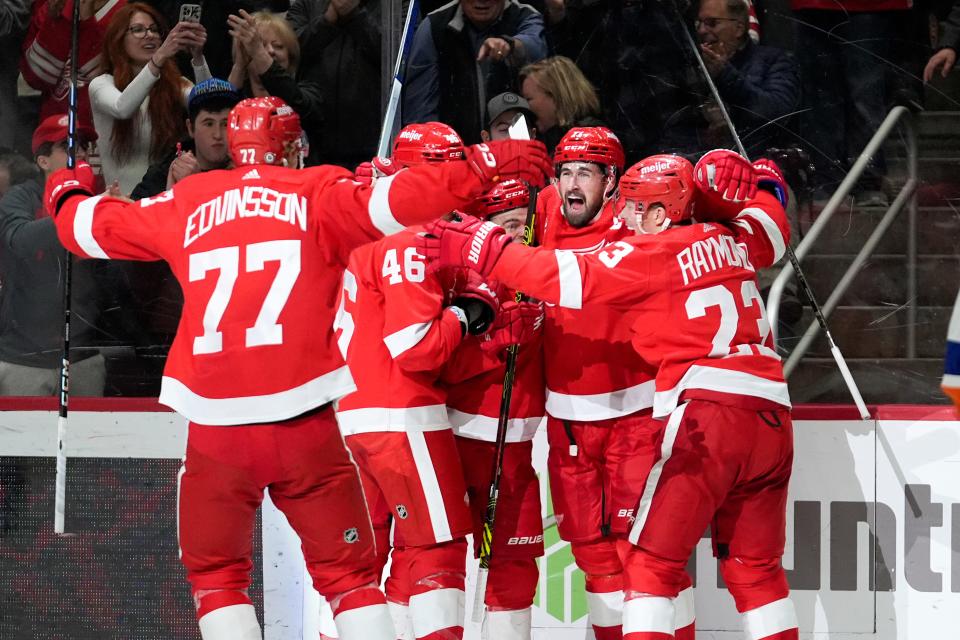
(599, 400)
(398, 327)
(473, 379)
(727, 445)
(258, 251)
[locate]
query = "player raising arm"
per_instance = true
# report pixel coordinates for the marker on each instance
(258, 251)
(727, 448)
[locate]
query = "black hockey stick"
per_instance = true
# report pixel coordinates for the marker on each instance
(801, 279)
(60, 492)
(517, 130)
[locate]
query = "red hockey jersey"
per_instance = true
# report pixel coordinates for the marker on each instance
(592, 371)
(700, 319)
(474, 382)
(259, 253)
(45, 63)
(395, 335)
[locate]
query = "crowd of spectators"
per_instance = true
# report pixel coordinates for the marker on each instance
(474, 64)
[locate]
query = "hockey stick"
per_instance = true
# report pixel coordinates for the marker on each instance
(390, 117)
(60, 491)
(518, 131)
(801, 279)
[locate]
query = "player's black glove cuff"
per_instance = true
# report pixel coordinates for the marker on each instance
(479, 315)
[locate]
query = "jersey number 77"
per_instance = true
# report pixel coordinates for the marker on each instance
(226, 261)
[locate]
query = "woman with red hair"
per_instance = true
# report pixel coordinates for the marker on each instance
(139, 101)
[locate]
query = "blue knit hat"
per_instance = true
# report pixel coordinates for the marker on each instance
(212, 91)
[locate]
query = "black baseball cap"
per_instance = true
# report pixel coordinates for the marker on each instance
(505, 102)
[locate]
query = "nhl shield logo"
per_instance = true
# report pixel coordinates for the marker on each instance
(402, 512)
(351, 535)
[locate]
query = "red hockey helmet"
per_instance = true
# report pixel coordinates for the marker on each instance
(507, 195)
(590, 144)
(664, 179)
(259, 130)
(427, 143)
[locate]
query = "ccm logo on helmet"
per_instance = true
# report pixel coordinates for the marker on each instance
(477, 243)
(526, 539)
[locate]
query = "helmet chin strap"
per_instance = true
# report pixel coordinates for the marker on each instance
(643, 232)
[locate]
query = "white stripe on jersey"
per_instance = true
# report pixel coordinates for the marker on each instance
(571, 284)
(393, 419)
(477, 427)
(83, 229)
(720, 380)
(105, 9)
(271, 407)
(600, 406)
(407, 338)
(41, 64)
(771, 229)
(379, 207)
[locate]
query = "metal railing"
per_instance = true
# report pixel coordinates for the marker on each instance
(907, 195)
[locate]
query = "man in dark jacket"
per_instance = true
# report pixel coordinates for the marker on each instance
(465, 53)
(340, 52)
(31, 263)
(759, 85)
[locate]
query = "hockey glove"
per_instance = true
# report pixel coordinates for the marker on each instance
(726, 174)
(479, 305)
(516, 323)
(368, 172)
(770, 178)
(65, 182)
(499, 160)
(469, 242)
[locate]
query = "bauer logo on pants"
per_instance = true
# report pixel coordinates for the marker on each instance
(351, 535)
